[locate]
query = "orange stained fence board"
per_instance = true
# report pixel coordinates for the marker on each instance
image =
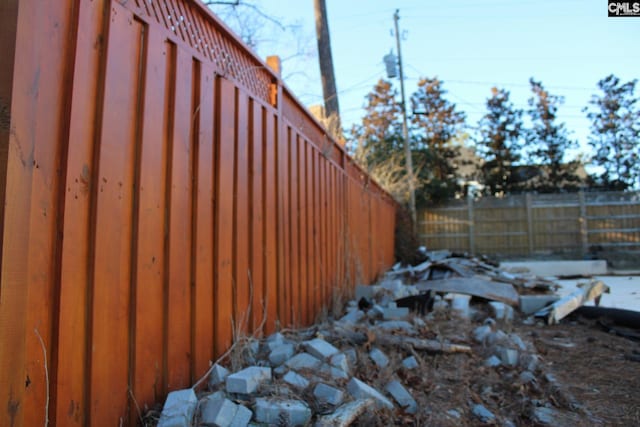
(270, 221)
(110, 302)
(223, 276)
(241, 216)
(203, 223)
(256, 212)
(70, 391)
(294, 224)
(149, 260)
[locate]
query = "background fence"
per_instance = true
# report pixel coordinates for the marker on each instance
(162, 190)
(535, 224)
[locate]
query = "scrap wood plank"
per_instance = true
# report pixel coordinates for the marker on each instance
(475, 286)
(567, 304)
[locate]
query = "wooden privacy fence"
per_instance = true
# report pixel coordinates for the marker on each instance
(162, 191)
(535, 224)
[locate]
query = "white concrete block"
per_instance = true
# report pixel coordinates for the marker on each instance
(492, 362)
(218, 375)
(340, 361)
(248, 380)
(410, 363)
(352, 317)
(361, 390)
(403, 325)
(501, 311)
(402, 397)
(320, 348)
(296, 380)
(508, 356)
(178, 409)
(303, 361)
(395, 313)
(217, 412)
(483, 413)
(378, 357)
(242, 418)
(328, 394)
(334, 373)
(282, 412)
(281, 354)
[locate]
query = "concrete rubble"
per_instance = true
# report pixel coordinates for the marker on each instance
(364, 359)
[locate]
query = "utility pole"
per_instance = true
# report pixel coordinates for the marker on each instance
(329, 92)
(405, 131)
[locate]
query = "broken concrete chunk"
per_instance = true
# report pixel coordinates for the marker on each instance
(410, 363)
(515, 339)
(346, 414)
(497, 337)
(178, 409)
(395, 313)
(508, 356)
(397, 324)
(295, 380)
(483, 413)
(481, 333)
(340, 361)
(352, 317)
(281, 412)
(364, 291)
(275, 340)
(218, 375)
(454, 414)
(361, 390)
(242, 418)
(281, 354)
(303, 361)
(460, 305)
(492, 362)
(501, 311)
(402, 397)
(378, 357)
(216, 412)
(320, 348)
(334, 373)
(328, 394)
(248, 380)
(526, 377)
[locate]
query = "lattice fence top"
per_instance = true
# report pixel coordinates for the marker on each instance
(191, 25)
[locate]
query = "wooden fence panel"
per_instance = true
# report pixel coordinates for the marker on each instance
(161, 187)
(530, 225)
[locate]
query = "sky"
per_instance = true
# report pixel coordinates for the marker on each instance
(471, 46)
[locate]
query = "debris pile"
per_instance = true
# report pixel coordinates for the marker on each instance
(427, 344)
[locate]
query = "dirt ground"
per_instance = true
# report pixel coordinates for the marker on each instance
(583, 376)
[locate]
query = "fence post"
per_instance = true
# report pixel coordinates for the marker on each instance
(582, 220)
(472, 231)
(527, 199)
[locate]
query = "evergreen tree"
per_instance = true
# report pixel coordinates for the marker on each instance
(379, 137)
(550, 141)
(500, 143)
(615, 133)
(436, 124)
(377, 144)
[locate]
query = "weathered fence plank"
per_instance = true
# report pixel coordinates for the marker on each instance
(534, 224)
